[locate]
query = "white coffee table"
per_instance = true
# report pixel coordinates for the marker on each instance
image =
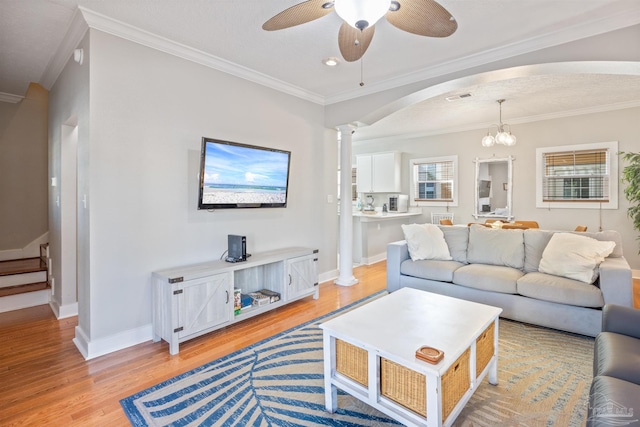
(369, 352)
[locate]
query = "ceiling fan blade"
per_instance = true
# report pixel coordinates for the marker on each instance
(300, 13)
(353, 43)
(423, 17)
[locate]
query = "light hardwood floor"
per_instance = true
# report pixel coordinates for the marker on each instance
(44, 381)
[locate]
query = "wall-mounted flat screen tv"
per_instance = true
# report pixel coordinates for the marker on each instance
(234, 175)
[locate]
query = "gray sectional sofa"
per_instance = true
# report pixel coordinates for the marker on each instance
(501, 268)
(614, 397)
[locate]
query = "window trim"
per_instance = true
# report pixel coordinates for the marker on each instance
(412, 182)
(612, 165)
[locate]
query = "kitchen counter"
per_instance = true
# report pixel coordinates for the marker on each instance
(372, 233)
(380, 216)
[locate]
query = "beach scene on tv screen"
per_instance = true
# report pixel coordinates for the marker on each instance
(235, 174)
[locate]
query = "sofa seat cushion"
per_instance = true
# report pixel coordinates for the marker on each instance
(441, 271)
(486, 277)
(561, 290)
(618, 356)
(612, 402)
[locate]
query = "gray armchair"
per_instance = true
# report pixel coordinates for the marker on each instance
(614, 397)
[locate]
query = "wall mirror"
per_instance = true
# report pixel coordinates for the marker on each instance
(494, 188)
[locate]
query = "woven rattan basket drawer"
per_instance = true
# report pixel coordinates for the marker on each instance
(351, 361)
(408, 388)
(484, 348)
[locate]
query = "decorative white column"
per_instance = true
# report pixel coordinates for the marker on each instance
(346, 278)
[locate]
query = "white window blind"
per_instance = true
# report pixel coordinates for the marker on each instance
(434, 181)
(576, 176)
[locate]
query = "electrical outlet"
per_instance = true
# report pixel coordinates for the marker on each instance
(329, 198)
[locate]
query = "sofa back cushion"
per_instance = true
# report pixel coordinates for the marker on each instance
(457, 239)
(496, 246)
(535, 240)
(607, 236)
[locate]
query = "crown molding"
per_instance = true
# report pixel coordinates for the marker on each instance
(85, 18)
(76, 31)
(583, 30)
(120, 29)
(10, 98)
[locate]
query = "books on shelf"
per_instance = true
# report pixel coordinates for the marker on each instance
(264, 296)
(246, 300)
(237, 301)
(273, 296)
(259, 299)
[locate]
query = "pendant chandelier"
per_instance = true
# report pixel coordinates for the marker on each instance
(503, 133)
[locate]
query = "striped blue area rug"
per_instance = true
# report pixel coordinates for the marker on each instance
(276, 382)
(544, 377)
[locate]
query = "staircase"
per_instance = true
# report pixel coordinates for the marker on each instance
(24, 282)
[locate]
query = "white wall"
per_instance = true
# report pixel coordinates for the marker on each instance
(149, 111)
(69, 105)
(23, 172)
(620, 125)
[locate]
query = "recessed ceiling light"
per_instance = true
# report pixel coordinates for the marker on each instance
(331, 61)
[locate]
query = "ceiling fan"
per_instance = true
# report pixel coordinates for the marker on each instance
(421, 17)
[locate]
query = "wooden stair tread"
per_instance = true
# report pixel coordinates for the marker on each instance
(21, 289)
(19, 266)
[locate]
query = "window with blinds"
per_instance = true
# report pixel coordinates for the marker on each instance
(576, 176)
(434, 181)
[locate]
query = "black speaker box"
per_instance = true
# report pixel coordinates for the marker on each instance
(237, 250)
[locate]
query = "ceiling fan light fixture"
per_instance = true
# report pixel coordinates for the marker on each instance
(361, 14)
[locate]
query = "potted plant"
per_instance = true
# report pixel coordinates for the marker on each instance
(631, 176)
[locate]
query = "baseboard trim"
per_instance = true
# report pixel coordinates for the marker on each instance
(328, 276)
(373, 259)
(91, 349)
(63, 311)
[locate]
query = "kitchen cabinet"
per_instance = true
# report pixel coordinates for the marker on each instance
(379, 172)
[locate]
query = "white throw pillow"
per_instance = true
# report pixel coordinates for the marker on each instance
(426, 241)
(574, 257)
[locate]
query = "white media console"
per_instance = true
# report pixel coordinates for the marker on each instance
(193, 300)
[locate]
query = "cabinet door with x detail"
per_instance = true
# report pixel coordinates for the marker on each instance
(205, 303)
(302, 277)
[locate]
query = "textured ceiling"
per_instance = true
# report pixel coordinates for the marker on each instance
(488, 30)
(526, 99)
